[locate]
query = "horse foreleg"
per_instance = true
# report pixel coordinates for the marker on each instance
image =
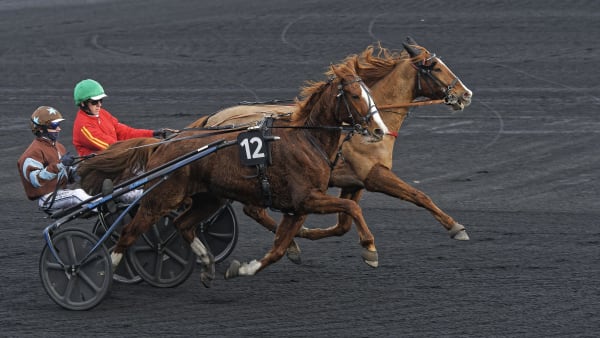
(289, 226)
(326, 204)
(261, 216)
(381, 179)
(344, 220)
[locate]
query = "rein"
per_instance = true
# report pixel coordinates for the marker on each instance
(350, 129)
(414, 104)
(219, 130)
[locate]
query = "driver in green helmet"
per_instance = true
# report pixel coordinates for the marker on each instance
(95, 128)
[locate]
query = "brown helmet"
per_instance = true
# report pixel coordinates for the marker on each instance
(44, 118)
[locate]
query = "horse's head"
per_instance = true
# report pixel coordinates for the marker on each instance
(435, 80)
(354, 97)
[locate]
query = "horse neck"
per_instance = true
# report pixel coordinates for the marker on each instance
(323, 113)
(396, 88)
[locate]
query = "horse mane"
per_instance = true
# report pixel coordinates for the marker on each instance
(120, 161)
(376, 62)
(312, 91)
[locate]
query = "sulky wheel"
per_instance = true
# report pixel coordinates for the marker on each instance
(124, 272)
(161, 256)
(219, 232)
(79, 284)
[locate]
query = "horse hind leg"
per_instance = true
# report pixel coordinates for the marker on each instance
(152, 207)
(186, 223)
(261, 216)
(139, 224)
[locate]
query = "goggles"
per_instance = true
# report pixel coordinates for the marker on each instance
(95, 102)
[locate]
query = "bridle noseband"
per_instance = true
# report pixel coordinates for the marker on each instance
(425, 72)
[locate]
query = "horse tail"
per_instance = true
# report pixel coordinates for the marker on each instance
(119, 162)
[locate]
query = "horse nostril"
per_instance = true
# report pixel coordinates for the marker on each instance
(467, 95)
(378, 132)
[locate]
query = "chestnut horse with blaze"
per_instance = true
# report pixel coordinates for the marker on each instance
(298, 178)
(396, 80)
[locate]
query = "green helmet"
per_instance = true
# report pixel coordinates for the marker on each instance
(88, 90)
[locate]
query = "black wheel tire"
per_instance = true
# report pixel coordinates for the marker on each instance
(219, 232)
(161, 256)
(76, 285)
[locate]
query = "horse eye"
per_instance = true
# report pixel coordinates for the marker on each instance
(354, 96)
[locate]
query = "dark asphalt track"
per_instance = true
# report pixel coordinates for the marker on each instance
(519, 168)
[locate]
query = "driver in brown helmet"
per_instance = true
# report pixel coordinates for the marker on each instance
(45, 167)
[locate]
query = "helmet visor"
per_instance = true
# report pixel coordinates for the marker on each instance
(98, 97)
(55, 123)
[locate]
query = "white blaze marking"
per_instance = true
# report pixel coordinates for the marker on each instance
(459, 81)
(373, 111)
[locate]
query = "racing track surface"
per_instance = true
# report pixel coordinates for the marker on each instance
(518, 168)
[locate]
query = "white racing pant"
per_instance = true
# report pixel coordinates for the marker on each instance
(129, 197)
(65, 198)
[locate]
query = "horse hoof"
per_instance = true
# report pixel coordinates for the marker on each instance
(458, 232)
(206, 279)
(233, 270)
(370, 257)
(293, 253)
(207, 275)
(461, 236)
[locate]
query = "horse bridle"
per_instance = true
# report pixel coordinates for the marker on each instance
(355, 128)
(372, 108)
(425, 73)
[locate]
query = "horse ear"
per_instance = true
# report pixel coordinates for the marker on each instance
(411, 50)
(411, 41)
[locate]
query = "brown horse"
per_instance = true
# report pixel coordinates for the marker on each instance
(395, 80)
(296, 183)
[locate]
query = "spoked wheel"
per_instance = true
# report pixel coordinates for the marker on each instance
(78, 285)
(219, 232)
(161, 256)
(124, 273)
